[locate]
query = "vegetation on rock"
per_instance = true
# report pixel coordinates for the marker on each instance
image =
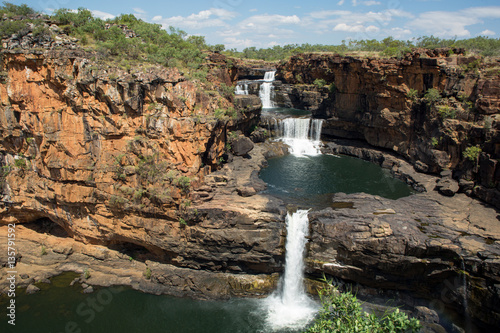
(342, 312)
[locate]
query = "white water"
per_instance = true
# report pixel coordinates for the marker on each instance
(266, 91)
(301, 134)
(241, 89)
(290, 307)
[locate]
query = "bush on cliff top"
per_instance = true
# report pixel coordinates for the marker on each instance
(342, 312)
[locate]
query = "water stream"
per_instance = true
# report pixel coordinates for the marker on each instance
(290, 307)
(266, 91)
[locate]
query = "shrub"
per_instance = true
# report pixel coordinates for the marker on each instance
(86, 273)
(147, 273)
(446, 112)
(333, 88)
(182, 222)
(320, 83)
(472, 153)
(342, 312)
(432, 96)
(117, 201)
(21, 163)
(412, 94)
(434, 142)
(43, 250)
(184, 183)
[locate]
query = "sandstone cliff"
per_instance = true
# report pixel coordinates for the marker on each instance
(119, 158)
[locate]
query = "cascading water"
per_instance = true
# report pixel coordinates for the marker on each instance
(301, 134)
(241, 89)
(290, 307)
(267, 90)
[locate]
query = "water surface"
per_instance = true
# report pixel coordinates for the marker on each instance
(311, 181)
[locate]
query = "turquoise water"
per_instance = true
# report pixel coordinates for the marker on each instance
(60, 308)
(311, 181)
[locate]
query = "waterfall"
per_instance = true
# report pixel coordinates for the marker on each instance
(266, 91)
(290, 307)
(241, 89)
(303, 135)
(466, 296)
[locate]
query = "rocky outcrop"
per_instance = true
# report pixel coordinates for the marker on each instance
(415, 245)
(384, 103)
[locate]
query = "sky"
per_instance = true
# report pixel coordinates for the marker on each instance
(246, 23)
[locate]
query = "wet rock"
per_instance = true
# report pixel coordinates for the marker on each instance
(32, 289)
(88, 290)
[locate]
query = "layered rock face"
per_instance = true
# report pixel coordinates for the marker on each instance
(384, 102)
(120, 158)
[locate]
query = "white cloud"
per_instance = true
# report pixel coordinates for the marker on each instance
(232, 42)
(229, 33)
(371, 3)
(253, 10)
(340, 3)
(269, 20)
(102, 15)
(399, 33)
(213, 17)
(355, 28)
(140, 13)
(451, 24)
(443, 24)
(487, 32)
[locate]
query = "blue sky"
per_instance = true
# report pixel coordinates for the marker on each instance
(244, 23)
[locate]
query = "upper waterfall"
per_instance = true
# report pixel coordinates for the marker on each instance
(266, 91)
(303, 135)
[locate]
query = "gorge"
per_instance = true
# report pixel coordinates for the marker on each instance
(147, 178)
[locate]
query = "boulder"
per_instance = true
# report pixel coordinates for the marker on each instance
(421, 167)
(241, 146)
(32, 289)
(447, 186)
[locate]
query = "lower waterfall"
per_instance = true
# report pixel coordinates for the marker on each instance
(290, 307)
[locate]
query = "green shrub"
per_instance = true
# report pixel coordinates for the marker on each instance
(184, 183)
(432, 96)
(320, 83)
(342, 312)
(147, 273)
(412, 94)
(14, 10)
(472, 153)
(332, 88)
(21, 163)
(446, 112)
(43, 250)
(86, 273)
(434, 141)
(117, 202)
(182, 222)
